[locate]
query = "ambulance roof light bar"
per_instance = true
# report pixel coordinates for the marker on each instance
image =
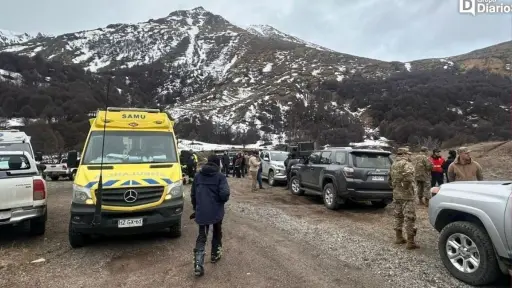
(120, 109)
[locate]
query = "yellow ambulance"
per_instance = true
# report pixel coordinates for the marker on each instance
(134, 153)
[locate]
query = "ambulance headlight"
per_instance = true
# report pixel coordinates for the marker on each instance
(81, 194)
(175, 190)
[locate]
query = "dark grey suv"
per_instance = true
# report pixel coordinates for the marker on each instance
(341, 174)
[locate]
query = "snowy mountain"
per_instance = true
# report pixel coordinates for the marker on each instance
(10, 38)
(198, 63)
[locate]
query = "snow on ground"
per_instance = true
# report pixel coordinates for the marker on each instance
(408, 66)
(202, 146)
(13, 77)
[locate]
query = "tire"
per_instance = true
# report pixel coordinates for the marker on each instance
(76, 240)
(295, 189)
(379, 204)
(175, 230)
(38, 226)
(271, 180)
(329, 197)
(72, 176)
(55, 178)
(488, 271)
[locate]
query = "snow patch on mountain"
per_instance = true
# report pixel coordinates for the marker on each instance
(271, 32)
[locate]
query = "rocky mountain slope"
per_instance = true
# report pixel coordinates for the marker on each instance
(198, 63)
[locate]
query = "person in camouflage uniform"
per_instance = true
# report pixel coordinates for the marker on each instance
(402, 179)
(422, 169)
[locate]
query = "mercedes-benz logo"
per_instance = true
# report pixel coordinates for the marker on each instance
(130, 196)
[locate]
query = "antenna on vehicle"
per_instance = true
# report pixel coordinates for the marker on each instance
(99, 191)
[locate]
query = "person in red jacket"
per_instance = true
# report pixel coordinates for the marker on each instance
(437, 168)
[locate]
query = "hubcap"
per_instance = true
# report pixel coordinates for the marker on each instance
(328, 196)
(295, 186)
(463, 253)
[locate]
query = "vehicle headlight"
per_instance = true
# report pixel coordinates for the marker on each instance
(175, 190)
(81, 194)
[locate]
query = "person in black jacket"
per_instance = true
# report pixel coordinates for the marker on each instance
(451, 157)
(292, 161)
(225, 163)
(209, 193)
(190, 167)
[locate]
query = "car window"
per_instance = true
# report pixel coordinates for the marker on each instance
(265, 154)
(278, 156)
(325, 158)
(314, 158)
(340, 158)
(371, 160)
(14, 162)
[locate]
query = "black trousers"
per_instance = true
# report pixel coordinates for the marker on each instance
(225, 168)
(437, 179)
(203, 236)
(237, 172)
(190, 172)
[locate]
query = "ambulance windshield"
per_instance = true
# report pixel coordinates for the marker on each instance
(130, 147)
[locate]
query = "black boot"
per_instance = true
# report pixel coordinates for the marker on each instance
(198, 262)
(216, 253)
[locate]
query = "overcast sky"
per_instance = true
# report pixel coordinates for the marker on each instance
(383, 29)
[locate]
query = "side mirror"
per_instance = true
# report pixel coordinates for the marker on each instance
(72, 161)
(38, 156)
(265, 159)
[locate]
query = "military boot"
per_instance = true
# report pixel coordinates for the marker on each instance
(411, 244)
(216, 253)
(199, 262)
(399, 237)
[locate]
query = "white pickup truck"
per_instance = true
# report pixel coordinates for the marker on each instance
(55, 171)
(22, 192)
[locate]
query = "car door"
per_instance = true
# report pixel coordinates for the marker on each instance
(266, 164)
(325, 161)
(307, 176)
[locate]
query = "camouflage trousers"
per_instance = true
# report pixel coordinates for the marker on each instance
(423, 189)
(405, 211)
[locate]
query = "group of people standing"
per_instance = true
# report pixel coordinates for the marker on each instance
(412, 177)
(243, 164)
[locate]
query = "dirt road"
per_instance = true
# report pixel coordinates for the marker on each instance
(271, 239)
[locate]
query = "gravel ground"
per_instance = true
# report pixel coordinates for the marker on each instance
(271, 239)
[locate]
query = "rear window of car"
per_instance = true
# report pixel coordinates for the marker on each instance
(371, 160)
(14, 162)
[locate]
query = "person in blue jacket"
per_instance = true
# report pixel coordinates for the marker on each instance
(210, 191)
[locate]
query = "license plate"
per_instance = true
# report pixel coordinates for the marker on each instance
(5, 215)
(125, 223)
(378, 178)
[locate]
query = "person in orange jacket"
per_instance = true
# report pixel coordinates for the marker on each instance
(437, 168)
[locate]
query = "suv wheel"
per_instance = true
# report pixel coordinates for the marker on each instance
(330, 198)
(467, 252)
(295, 186)
(271, 180)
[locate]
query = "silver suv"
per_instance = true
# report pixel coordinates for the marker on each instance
(475, 224)
(273, 166)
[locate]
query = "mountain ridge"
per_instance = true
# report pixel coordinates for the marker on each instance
(200, 66)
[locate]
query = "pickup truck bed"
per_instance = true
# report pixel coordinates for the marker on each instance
(22, 192)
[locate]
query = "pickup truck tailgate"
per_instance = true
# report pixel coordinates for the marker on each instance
(16, 192)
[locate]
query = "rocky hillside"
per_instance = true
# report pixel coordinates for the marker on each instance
(199, 65)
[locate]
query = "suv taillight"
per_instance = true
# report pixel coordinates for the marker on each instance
(64, 167)
(348, 172)
(38, 190)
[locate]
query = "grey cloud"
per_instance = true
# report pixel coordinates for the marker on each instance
(384, 29)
